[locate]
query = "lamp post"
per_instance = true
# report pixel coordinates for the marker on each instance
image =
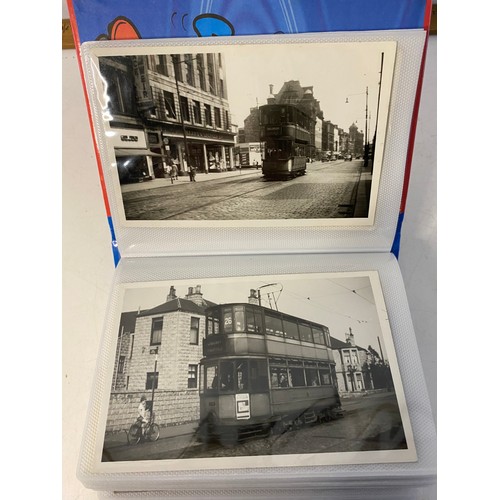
(155, 378)
(365, 146)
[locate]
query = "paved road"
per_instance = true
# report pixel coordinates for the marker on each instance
(370, 423)
(328, 190)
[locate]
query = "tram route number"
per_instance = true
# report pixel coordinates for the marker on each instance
(242, 406)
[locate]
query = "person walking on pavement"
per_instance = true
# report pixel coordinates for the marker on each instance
(173, 173)
(192, 173)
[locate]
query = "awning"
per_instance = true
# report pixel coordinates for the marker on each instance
(137, 152)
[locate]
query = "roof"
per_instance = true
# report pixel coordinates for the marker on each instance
(127, 322)
(338, 344)
(177, 304)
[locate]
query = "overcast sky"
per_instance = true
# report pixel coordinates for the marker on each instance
(336, 71)
(338, 303)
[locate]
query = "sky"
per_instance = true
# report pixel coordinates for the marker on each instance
(336, 71)
(338, 303)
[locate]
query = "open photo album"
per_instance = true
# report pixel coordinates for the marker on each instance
(257, 334)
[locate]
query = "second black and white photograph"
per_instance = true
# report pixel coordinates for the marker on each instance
(254, 372)
(268, 133)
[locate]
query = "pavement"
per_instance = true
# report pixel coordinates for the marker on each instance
(120, 438)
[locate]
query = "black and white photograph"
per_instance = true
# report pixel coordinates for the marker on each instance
(249, 134)
(254, 371)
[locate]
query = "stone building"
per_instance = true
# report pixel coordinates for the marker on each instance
(158, 355)
(349, 362)
(168, 108)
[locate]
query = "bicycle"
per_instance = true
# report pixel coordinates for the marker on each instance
(150, 432)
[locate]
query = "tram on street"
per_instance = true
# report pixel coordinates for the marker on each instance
(286, 132)
(263, 371)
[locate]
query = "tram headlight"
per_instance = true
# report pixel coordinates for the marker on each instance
(289, 165)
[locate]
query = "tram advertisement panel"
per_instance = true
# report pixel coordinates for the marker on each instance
(253, 372)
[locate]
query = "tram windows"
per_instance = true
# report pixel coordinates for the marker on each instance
(273, 325)
(254, 320)
(239, 319)
(211, 379)
(226, 376)
(312, 377)
(325, 377)
(258, 375)
(305, 332)
(291, 329)
(297, 377)
(318, 336)
(242, 375)
(212, 325)
(279, 377)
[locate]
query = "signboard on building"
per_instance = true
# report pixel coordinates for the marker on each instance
(127, 138)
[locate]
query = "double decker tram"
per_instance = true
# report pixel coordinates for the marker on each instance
(263, 371)
(286, 131)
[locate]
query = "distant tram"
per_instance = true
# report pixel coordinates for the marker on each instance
(285, 129)
(263, 371)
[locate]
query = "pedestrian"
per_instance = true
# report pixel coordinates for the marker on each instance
(192, 174)
(173, 173)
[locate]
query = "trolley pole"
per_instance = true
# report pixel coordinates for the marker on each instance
(155, 378)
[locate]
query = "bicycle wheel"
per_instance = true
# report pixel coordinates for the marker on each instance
(154, 432)
(134, 434)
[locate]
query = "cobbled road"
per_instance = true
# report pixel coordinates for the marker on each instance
(328, 190)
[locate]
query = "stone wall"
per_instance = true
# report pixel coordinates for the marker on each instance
(170, 408)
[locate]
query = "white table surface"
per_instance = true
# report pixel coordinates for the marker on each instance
(88, 264)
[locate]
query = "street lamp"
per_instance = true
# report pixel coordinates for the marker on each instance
(155, 378)
(366, 124)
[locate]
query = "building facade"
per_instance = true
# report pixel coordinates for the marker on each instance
(168, 109)
(159, 357)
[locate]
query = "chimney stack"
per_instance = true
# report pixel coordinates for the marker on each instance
(171, 294)
(195, 295)
(349, 337)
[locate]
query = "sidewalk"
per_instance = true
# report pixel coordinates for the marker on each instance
(182, 179)
(119, 438)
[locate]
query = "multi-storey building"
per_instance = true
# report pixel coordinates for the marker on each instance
(168, 108)
(158, 355)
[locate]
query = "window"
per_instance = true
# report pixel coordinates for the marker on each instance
(291, 329)
(151, 381)
(156, 331)
(226, 376)
(318, 336)
(228, 123)
(211, 76)
(197, 111)
(132, 337)
(193, 376)
(312, 378)
(176, 60)
(212, 325)
(208, 115)
(161, 64)
(188, 59)
(121, 364)
(325, 378)
(297, 377)
(169, 105)
(195, 331)
(217, 115)
(305, 332)
(239, 318)
(254, 320)
(221, 87)
(273, 325)
(185, 109)
(200, 64)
